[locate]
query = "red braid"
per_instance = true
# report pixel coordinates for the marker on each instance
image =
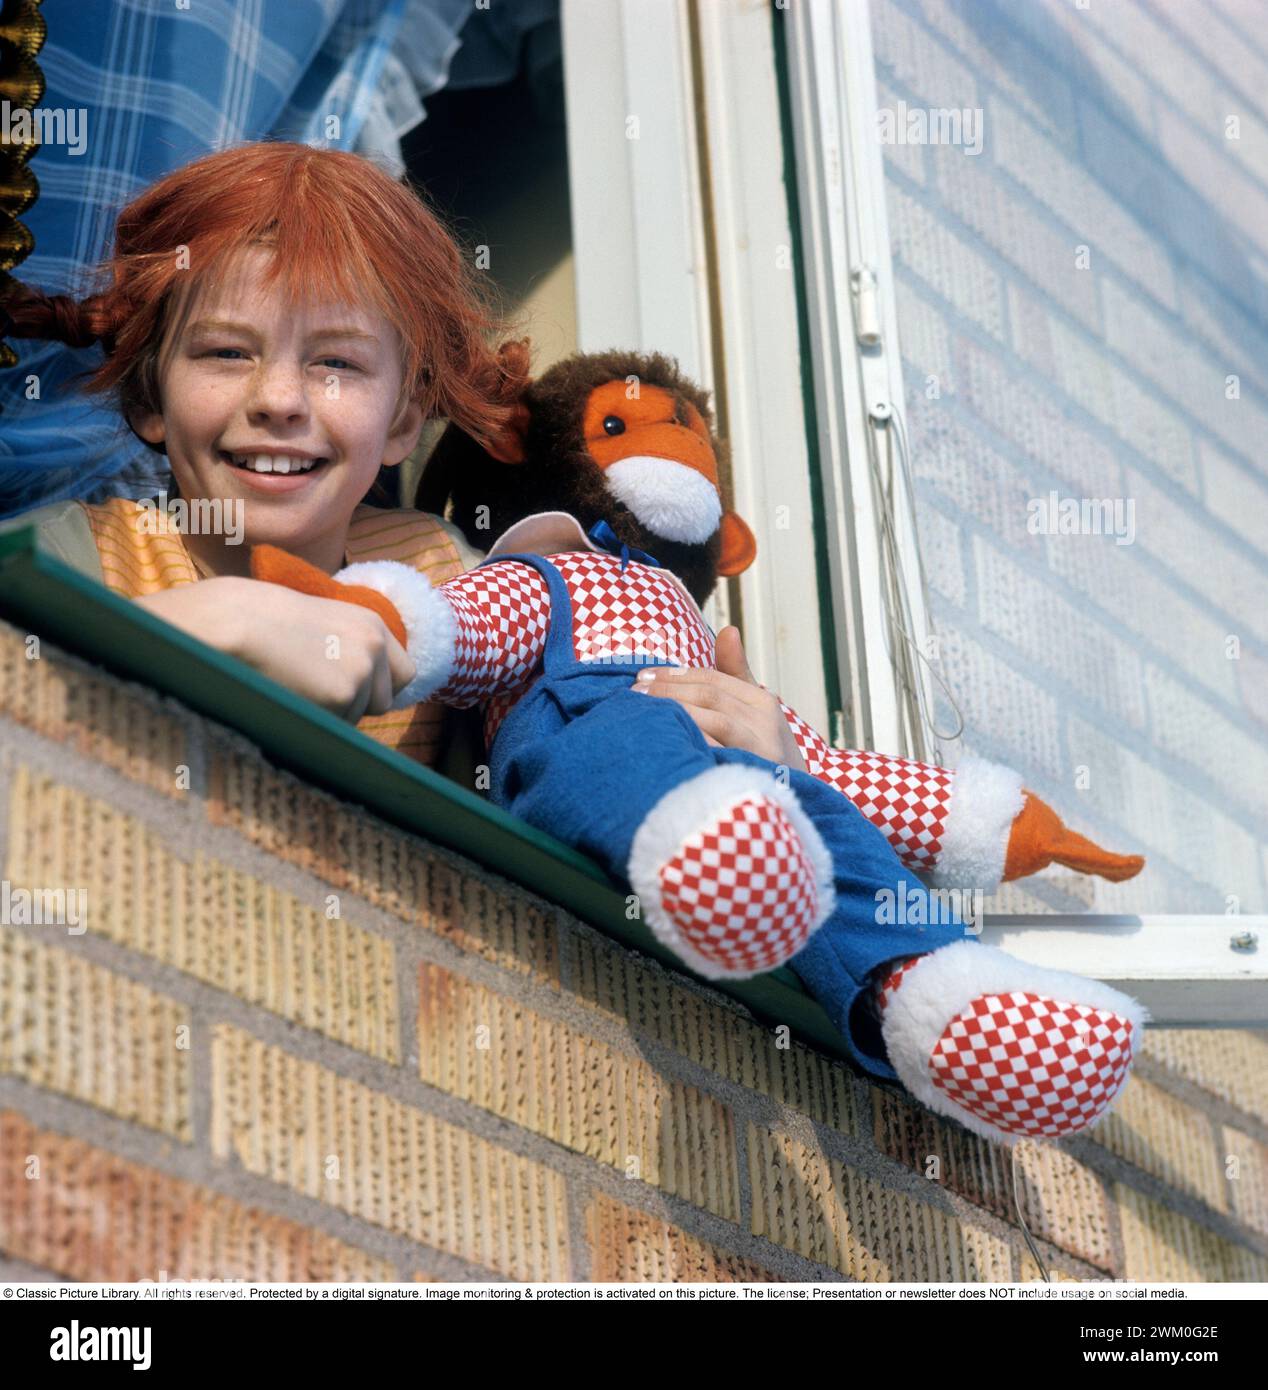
(56, 317)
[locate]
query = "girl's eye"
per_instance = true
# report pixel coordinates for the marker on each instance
(221, 352)
(339, 363)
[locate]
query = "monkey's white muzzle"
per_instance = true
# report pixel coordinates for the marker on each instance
(667, 497)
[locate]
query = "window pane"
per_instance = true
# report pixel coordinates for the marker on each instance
(1078, 207)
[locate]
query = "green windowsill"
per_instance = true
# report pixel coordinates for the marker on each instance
(46, 597)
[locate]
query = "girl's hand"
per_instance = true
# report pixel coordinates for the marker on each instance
(730, 708)
(339, 655)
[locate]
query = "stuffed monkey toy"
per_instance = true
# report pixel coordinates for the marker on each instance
(604, 497)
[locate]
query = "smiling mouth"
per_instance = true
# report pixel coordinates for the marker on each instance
(273, 463)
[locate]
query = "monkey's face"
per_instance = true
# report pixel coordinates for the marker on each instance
(657, 459)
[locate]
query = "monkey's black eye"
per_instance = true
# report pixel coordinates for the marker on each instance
(613, 424)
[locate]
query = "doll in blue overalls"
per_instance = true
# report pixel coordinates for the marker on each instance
(739, 866)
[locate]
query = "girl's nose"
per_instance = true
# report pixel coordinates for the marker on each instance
(277, 392)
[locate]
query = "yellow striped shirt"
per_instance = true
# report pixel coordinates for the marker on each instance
(141, 559)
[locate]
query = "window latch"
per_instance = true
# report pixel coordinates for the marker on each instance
(864, 295)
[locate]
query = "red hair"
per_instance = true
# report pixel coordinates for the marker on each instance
(340, 229)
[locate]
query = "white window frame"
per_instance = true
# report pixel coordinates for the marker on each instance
(656, 272)
(857, 368)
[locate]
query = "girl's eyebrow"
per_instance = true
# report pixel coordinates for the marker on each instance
(228, 326)
(359, 333)
(218, 326)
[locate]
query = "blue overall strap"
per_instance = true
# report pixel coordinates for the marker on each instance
(602, 534)
(560, 651)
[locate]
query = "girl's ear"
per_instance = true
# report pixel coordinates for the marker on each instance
(403, 437)
(148, 425)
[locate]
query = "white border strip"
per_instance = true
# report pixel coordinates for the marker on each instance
(638, 237)
(1184, 969)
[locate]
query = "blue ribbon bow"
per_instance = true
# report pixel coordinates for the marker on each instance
(605, 537)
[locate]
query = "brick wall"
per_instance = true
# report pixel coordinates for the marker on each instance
(295, 1043)
(1103, 671)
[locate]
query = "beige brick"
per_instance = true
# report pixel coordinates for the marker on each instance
(1245, 1266)
(396, 872)
(1166, 1137)
(1064, 1203)
(83, 1031)
(548, 1077)
(1028, 1272)
(344, 1144)
(842, 1218)
(1248, 1178)
(1164, 1247)
(1231, 1065)
(90, 1215)
(204, 917)
(710, 1033)
(119, 725)
(632, 1247)
(490, 918)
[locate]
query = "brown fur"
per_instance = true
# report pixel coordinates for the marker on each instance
(558, 473)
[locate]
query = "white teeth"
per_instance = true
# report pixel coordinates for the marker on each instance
(273, 463)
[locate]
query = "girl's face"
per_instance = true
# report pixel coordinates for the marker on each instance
(284, 413)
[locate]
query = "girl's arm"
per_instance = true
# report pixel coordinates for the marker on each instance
(338, 655)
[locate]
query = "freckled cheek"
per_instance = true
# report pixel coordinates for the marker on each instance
(357, 426)
(197, 409)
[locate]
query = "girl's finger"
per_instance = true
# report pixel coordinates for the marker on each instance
(357, 710)
(703, 687)
(381, 685)
(730, 658)
(719, 731)
(399, 663)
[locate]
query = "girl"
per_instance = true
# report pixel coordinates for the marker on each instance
(280, 321)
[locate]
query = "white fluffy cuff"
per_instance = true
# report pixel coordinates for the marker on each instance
(985, 800)
(431, 628)
(945, 983)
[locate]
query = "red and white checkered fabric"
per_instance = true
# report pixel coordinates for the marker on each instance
(503, 615)
(907, 800)
(1028, 1065)
(641, 611)
(888, 987)
(742, 890)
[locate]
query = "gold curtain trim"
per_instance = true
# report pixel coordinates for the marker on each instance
(22, 35)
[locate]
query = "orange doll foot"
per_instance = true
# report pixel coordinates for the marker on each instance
(1039, 837)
